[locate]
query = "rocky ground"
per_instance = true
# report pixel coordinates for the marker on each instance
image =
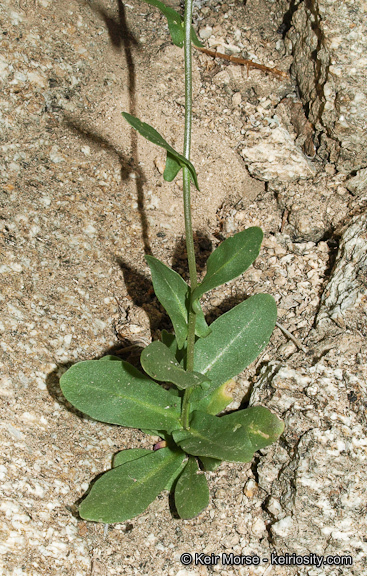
(82, 200)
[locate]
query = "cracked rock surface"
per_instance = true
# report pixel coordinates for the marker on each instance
(328, 41)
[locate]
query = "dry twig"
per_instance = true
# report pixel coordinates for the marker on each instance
(248, 63)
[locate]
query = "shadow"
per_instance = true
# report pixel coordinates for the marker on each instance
(124, 41)
(119, 33)
(203, 248)
(127, 163)
(287, 17)
(141, 292)
(140, 287)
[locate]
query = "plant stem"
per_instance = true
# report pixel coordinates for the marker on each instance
(187, 207)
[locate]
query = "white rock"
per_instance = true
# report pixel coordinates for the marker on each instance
(206, 32)
(271, 155)
(283, 527)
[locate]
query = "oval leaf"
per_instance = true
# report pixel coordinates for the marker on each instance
(230, 259)
(191, 492)
(153, 136)
(210, 464)
(160, 363)
(126, 491)
(117, 393)
(234, 437)
(129, 455)
(235, 341)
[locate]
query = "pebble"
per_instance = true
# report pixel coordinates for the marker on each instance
(283, 527)
(206, 32)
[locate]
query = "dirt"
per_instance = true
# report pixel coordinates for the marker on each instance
(83, 199)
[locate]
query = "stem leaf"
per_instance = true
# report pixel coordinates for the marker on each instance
(126, 491)
(117, 393)
(160, 363)
(172, 292)
(202, 329)
(153, 136)
(172, 168)
(236, 339)
(175, 24)
(230, 259)
(234, 437)
(191, 492)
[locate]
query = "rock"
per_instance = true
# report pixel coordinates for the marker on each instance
(315, 210)
(328, 41)
(358, 184)
(271, 155)
(345, 294)
(206, 32)
(222, 78)
(315, 481)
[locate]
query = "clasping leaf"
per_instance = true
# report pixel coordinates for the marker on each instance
(175, 24)
(230, 259)
(153, 136)
(160, 363)
(173, 293)
(234, 437)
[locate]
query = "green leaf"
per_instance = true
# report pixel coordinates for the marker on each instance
(126, 491)
(230, 259)
(172, 481)
(170, 341)
(153, 136)
(218, 400)
(195, 40)
(110, 357)
(191, 492)
(172, 292)
(172, 168)
(129, 455)
(117, 393)
(160, 363)
(175, 24)
(150, 432)
(202, 329)
(136, 453)
(234, 437)
(237, 337)
(210, 464)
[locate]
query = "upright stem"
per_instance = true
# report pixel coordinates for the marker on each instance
(187, 207)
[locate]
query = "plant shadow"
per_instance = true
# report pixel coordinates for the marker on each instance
(122, 40)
